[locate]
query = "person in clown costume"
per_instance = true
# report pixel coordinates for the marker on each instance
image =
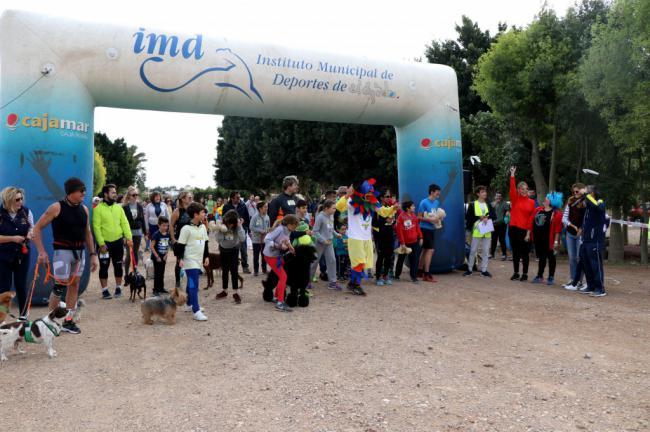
(361, 203)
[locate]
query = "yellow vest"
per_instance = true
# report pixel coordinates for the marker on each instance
(480, 213)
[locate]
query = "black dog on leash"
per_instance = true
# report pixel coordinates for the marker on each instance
(297, 267)
(136, 281)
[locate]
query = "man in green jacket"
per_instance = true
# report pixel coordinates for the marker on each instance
(111, 228)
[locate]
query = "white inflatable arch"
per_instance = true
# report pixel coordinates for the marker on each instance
(54, 72)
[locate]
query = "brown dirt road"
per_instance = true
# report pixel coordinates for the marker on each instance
(465, 354)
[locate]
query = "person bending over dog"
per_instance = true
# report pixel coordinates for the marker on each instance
(70, 233)
(275, 243)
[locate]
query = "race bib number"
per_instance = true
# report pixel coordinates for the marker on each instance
(291, 202)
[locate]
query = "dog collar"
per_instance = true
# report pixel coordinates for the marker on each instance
(53, 329)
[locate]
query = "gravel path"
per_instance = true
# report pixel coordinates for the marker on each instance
(465, 354)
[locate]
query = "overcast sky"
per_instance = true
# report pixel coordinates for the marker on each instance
(390, 30)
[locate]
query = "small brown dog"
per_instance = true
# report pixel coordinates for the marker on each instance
(5, 305)
(215, 264)
(163, 306)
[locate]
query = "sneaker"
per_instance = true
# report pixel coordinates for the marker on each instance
(106, 295)
(334, 286)
(380, 282)
(282, 307)
(256, 274)
(315, 279)
(22, 318)
(570, 287)
(504, 257)
(467, 273)
(246, 270)
(598, 294)
(118, 293)
(236, 298)
(396, 278)
(550, 281)
(70, 327)
(357, 290)
(187, 308)
(222, 294)
(163, 291)
(581, 285)
(537, 279)
(486, 274)
(388, 281)
(585, 290)
(199, 316)
(524, 277)
(415, 281)
(514, 277)
(420, 274)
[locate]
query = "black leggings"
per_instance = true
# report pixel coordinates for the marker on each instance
(229, 265)
(257, 252)
(115, 254)
(544, 253)
(520, 248)
(15, 269)
(384, 260)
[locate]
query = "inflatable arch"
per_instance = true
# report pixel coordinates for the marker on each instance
(54, 72)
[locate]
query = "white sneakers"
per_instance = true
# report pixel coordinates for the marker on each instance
(198, 315)
(570, 287)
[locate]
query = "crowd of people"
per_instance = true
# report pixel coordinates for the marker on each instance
(345, 230)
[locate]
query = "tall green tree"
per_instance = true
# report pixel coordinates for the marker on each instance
(615, 77)
(124, 164)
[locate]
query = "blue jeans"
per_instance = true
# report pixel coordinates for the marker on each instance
(193, 288)
(573, 249)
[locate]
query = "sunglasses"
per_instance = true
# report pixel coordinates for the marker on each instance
(19, 199)
(135, 195)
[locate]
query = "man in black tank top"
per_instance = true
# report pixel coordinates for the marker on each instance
(71, 232)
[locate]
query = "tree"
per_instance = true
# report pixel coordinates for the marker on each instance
(124, 164)
(99, 174)
(615, 77)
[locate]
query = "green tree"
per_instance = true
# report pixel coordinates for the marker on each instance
(615, 77)
(99, 174)
(124, 164)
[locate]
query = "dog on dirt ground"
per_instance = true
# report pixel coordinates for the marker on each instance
(297, 267)
(163, 306)
(136, 281)
(42, 331)
(215, 264)
(5, 305)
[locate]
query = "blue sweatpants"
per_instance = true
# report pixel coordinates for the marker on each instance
(193, 288)
(591, 257)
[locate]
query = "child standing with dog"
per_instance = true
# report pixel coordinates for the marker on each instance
(229, 246)
(193, 250)
(260, 224)
(410, 237)
(160, 242)
(276, 243)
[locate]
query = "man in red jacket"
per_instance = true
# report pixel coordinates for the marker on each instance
(521, 211)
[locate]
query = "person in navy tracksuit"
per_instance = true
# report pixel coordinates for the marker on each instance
(593, 243)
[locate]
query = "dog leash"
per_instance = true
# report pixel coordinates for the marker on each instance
(48, 276)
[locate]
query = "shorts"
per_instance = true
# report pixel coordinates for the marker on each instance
(67, 263)
(361, 252)
(428, 238)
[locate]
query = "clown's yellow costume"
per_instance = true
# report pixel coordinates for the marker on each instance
(360, 207)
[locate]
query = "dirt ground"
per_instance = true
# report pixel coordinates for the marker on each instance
(465, 354)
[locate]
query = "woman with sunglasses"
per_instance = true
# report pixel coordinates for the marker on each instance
(135, 215)
(16, 224)
(572, 219)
